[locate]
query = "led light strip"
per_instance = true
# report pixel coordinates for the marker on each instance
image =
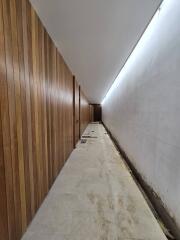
(139, 47)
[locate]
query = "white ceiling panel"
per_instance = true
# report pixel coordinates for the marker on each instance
(95, 37)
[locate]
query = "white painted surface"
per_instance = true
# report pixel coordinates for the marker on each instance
(143, 111)
(95, 36)
(94, 198)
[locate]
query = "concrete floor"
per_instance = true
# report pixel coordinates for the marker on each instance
(94, 198)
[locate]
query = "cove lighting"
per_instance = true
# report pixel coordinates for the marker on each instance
(141, 46)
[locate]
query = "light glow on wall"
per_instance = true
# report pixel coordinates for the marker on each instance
(139, 48)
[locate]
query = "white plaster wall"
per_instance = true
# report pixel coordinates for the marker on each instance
(143, 109)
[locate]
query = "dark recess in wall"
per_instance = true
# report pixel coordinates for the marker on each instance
(97, 112)
(153, 198)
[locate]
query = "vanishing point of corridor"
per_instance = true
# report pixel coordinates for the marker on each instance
(94, 198)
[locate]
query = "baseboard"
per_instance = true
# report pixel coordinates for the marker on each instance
(153, 199)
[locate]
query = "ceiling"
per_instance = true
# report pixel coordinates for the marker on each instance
(95, 37)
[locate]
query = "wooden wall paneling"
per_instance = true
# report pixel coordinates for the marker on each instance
(41, 119)
(69, 118)
(49, 55)
(52, 110)
(67, 109)
(62, 122)
(62, 115)
(70, 111)
(34, 180)
(44, 115)
(35, 108)
(84, 112)
(22, 23)
(75, 110)
(38, 99)
(47, 96)
(65, 112)
(36, 115)
(12, 115)
(55, 114)
(64, 109)
(49, 112)
(5, 125)
(41, 103)
(29, 164)
(47, 102)
(18, 101)
(58, 115)
(55, 127)
(3, 199)
(23, 107)
(58, 122)
(39, 133)
(79, 112)
(56, 90)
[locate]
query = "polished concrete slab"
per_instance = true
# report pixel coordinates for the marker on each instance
(94, 198)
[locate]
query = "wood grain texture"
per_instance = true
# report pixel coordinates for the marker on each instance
(36, 115)
(3, 200)
(5, 125)
(76, 113)
(84, 112)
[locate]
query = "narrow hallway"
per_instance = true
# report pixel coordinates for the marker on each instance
(94, 198)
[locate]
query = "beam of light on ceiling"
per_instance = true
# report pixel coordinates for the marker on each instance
(139, 48)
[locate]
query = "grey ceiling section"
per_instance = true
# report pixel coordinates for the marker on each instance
(95, 37)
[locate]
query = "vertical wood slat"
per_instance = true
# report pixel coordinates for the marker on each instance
(36, 115)
(76, 114)
(18, 103)
(3, 200)
(6, 137)
(84, 112)
(27, 197)
(29, 164)
(13, 119)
